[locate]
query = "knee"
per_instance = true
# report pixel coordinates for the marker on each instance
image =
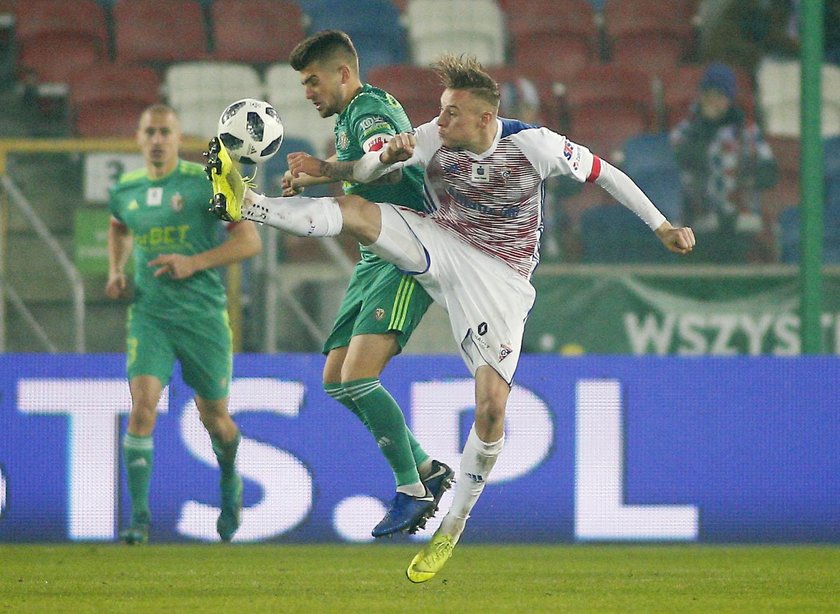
(361, 218)
(490, 421)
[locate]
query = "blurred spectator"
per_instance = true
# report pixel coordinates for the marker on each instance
(520, 99)
(750, 29)
(724, 162)
(832, 31)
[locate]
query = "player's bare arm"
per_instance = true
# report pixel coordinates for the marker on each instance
(119, 249)
(303, 163)
(242, 243)
(304, 168)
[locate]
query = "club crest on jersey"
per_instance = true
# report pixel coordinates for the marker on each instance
(343, 140)
(480, 173)
(177, 202)
(378, 313)
(504, 352)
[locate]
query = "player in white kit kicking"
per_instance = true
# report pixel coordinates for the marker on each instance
(474, 251)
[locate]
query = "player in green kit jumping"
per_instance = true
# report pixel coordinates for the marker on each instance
(382, 306)
(179, 309)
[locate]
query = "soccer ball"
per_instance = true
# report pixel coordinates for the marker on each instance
(251, 130)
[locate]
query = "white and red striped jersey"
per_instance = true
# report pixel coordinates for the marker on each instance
(494, 200)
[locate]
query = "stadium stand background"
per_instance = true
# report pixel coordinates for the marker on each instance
(613, 75)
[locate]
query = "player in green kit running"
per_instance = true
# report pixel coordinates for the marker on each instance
(179, 309)
(382, 306)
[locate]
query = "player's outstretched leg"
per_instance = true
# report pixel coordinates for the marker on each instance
(430, 560)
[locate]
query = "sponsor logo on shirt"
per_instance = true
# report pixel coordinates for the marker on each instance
(568, 152)
(154, 197)
(480, 173)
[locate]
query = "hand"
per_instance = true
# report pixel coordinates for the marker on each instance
(302, 163)
(289, 185)
(678, 240)
(399, 149)
(177, 265)
(116, 285)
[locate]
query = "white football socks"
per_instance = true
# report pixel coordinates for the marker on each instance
(476, 463)
(298, 215)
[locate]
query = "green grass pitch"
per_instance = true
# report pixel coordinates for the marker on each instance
(240, 579)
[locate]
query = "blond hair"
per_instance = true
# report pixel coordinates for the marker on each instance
(464, 72)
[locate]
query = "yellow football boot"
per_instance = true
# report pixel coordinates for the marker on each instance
(431, 558)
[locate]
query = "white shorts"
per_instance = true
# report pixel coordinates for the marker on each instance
(487, 301)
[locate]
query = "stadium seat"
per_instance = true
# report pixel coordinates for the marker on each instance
(780, 102)
(198, 106)
(786, 150)
(560, 36)
(611, 233)
(649, 160)
(680, 91)
(56, 37)
(550, 111)
(789, 235)
(384, 44)
(300, 118)
(417, 88)
(255, 31)
(790, 231)
(606, 105)
(831, 158)
(475, 27)
(107, 101)
(158, 33)
(648, 35)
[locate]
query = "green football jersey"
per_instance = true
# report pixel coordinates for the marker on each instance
(167, 216)
(363, 125)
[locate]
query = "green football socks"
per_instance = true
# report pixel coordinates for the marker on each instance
(386, 422)
(226, 454)
(138, 453)
(337, 391)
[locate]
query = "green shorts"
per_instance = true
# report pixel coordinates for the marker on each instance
(379, 300)
(203, 346)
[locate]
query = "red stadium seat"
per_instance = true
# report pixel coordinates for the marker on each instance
(606, 105)
(107, 101)
(549, 102)
(256, 31)
(786, 150)
(559, 35)
(649, 34)
(417, 88)
(57, 37)
(157, 32)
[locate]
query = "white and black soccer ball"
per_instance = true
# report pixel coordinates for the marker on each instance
(251, 130)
